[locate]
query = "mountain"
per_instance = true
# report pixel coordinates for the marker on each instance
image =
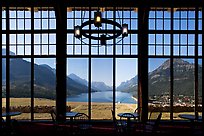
(78, 79)
(159, 79)
(44, 80)
(48, 67)
(129, 85)
(101, 86)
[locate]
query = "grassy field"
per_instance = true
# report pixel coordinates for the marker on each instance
(98, 110)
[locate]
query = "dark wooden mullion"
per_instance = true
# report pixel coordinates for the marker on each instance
(130, 34)
(196, 64)
(89, 76)
(24, 33)
(114, 62)
(156, 35)
(73, 36)
(81, 23)
(48, 38)
(187, 33)
(32, 64)
(106, 16)
(16, 30)
(61, 36)
(7, 67)
(163, 50)
(102, 31)
(41, 39)
(143, 14)
(179, 34)
(1, 65)
(171, 66)
(122, 23)
(202, 62)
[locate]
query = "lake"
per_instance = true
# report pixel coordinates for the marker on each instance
(103, 96)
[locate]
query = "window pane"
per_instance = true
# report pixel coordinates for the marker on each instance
(159, 86)
(126, 85)
(44, 87)
(77, 85)
(101, 84)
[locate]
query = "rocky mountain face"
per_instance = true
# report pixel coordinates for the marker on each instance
(129, 86)
(183, 71)
(159, 79)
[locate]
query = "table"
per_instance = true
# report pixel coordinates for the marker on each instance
(71, 115)
(193, 121)
(6, 114)
(190, 117)
(8, 123)
(128, 115)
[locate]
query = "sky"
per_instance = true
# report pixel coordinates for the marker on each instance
(102, 68)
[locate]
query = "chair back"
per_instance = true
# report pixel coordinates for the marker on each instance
(153, 114)
(153, 121)
(83, 123)
(81, 117)
(53, 115)
(138, 110)
(157, 121)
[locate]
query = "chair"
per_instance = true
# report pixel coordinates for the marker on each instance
(152, 125)
(9, 129)
(138, 111)
(57, 126)
(83, 125)
(3, 129)
(119, 126)
(53, 115)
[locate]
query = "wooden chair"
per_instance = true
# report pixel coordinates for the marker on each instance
(53, 115)
(3, 129)
(152, 125)
(83, 124)
(138, 111)
(58, 127)
(128, 120)
(119, 125)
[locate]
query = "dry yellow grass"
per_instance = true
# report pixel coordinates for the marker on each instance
(27, 101)
(98, 110)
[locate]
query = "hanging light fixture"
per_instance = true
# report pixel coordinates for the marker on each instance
(97, 19)
(100, 33)
(77, 31)
(125, 30)
(103, 39)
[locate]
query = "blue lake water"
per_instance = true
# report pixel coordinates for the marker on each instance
(104, 96)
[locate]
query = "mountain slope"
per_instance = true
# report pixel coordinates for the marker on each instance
(159, 79)
(44, 81)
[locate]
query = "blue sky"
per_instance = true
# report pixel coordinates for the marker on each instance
(102, 68)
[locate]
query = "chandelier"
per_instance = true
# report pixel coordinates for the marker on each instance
(99, 33)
